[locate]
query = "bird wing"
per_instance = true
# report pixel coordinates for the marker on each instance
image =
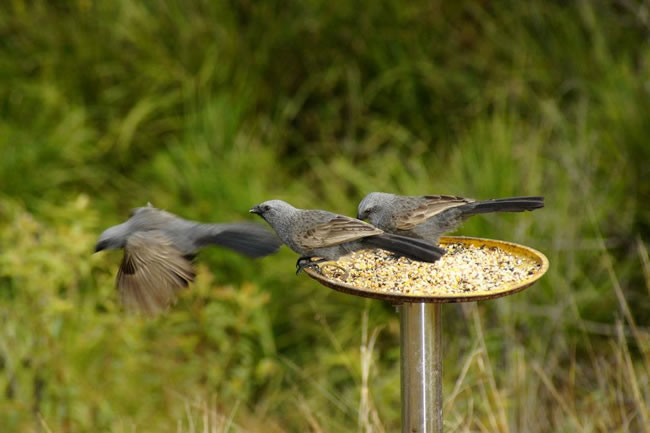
(249, 239)
(338, 230)
(152, 272)
(426, 207)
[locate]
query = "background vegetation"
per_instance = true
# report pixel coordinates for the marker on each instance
(206, 108)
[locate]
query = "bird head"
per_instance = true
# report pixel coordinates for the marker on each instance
(273, 211)
(141, 219)
(113, 238)
(372, 204)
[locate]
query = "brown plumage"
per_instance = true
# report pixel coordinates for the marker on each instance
(151, 273)
(429, 206)
(338, 230)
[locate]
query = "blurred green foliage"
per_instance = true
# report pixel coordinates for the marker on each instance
(206, 108)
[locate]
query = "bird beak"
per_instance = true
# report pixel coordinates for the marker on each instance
(255, 210)
(100, 246)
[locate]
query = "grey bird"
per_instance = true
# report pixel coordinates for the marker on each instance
(328, 236)
(159, 248)
(430, 216)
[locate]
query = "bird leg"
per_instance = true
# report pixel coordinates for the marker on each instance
(300, 263)
(306, 262)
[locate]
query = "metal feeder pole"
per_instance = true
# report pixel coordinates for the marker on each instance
(421, 367)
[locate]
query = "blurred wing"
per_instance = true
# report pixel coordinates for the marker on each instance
(428, 206)
(151, 273)
(338, 230)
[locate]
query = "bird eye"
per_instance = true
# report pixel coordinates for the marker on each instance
(267, 208)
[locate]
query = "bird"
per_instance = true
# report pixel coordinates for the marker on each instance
(428, 217)
(315, 233)
(159, 248)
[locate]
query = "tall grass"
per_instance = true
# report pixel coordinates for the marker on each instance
(206, 108)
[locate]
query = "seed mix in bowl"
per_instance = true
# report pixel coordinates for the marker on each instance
(463, 269)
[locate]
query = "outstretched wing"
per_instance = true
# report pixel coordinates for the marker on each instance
(427, 206)
(338, 230)
(151, 273)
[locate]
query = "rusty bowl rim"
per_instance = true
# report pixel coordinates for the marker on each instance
(509, 289)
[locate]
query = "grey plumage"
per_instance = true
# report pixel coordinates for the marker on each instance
(430, 216)
(318, 233)
(159, 248)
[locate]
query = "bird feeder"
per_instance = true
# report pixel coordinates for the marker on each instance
(473, 269)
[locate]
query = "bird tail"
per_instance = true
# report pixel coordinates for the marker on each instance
(249, 239)
(511, 204)
(415, 249)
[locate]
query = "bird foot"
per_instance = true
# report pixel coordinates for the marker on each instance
(306, 262)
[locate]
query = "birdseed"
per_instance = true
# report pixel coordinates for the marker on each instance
(463, 269)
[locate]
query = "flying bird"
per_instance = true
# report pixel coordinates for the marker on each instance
(159, 248)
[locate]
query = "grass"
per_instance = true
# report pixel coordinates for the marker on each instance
(206, 108)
